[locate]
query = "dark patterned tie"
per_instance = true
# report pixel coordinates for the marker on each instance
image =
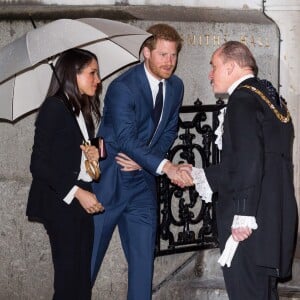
(158, 105)
(156, 112)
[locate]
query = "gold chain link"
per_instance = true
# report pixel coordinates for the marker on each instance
(280, 117)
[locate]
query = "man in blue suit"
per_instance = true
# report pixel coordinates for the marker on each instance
(136, 148)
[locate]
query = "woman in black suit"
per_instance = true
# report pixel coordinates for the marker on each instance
(61, 195)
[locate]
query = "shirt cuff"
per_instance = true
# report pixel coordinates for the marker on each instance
(244, 221)
(201, 184)
(70, 196)
(160, 167)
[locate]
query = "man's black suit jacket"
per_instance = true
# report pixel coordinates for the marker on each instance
(255, 178)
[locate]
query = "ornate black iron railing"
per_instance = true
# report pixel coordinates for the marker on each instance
(186, 223)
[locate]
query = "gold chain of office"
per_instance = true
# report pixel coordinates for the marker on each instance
(280, 117)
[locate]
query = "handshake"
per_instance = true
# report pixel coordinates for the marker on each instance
(179, 174)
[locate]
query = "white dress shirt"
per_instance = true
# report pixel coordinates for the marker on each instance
(83, 175)
(153, 82)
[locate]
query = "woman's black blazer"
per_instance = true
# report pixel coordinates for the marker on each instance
(55, 163)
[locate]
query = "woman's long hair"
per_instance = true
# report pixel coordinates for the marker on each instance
(64, 81)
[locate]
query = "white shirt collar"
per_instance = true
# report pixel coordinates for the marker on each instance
(236, 83)
(153, 82)
(82, 125)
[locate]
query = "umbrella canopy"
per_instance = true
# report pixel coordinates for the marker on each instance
(25, 73)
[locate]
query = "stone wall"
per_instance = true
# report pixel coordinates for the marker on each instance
(26, 269)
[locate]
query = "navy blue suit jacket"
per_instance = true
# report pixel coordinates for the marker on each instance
(127, 126)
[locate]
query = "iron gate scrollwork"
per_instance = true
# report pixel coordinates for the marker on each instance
(185, 222)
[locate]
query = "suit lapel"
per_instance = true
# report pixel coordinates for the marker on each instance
(146, 97)
(145, 87)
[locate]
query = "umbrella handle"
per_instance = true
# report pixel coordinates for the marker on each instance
(32, 22)
(50, 63)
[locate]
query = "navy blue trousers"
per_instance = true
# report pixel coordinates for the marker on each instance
(134, 212)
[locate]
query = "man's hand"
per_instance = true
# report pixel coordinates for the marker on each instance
(127, 163)
(241, 233)
(180, 177)
(186, 173)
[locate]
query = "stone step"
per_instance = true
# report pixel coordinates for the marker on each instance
(193, 289)
(201, 279)
(287, 293)
(211, 289)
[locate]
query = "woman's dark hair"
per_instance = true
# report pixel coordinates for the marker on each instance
(64, 82)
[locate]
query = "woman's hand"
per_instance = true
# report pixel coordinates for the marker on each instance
(91, 152)
(126, 163)
(88, 201)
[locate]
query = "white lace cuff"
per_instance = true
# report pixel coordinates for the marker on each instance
(219, 130)
(231, 245)
(201, 184)
(244, 221)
